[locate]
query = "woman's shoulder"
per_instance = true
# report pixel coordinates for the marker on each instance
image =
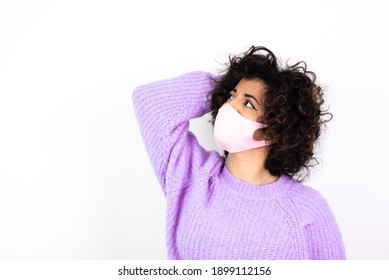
(308, 199)
(304, 191)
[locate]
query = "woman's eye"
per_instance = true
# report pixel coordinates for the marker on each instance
(248, 104)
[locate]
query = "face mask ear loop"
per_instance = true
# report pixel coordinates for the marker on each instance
(259, 128)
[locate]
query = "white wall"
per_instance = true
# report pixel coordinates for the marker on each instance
(75, 180)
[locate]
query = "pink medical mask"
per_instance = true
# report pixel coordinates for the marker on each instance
(234, 133)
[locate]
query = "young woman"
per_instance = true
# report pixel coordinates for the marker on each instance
(249, 204)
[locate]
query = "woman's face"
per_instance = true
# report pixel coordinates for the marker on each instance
(246, 98)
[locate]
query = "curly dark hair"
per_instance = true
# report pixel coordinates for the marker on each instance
(292, 106)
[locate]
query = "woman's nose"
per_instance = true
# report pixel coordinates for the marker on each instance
(235, 104)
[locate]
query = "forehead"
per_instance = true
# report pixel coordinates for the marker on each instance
(253, 86)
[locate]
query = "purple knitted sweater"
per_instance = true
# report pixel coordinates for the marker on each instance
(210, 213)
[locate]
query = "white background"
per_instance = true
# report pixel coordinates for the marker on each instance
(75, 180)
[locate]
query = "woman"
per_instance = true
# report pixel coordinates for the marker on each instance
(245, 205)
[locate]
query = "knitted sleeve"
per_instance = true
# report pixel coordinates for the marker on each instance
(323, 234)
(163, 110)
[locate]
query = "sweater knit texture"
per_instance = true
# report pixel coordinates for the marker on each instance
(210, 213)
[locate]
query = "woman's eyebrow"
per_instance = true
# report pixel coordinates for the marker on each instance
(250, 96)
(246, 95)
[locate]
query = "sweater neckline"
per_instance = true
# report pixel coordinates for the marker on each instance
(266, 191)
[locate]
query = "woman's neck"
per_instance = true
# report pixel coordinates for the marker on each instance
(249, 166)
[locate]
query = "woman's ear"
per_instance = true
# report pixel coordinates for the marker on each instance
(258, 135)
